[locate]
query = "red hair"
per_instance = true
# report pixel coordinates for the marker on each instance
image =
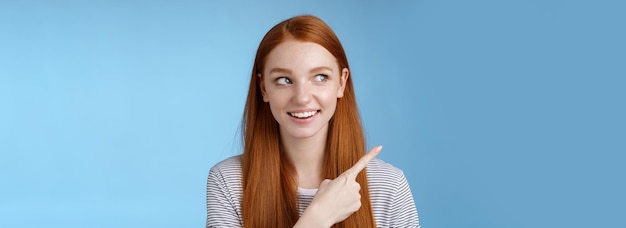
(269, 182)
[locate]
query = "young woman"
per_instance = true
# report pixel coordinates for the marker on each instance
(304, 161)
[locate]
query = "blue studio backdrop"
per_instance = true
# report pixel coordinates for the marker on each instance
(500, 113)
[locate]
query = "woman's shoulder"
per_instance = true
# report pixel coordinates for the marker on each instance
(378, 167)
(228, 163)
(229, 168)
(384, 178)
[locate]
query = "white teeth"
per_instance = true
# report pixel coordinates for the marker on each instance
(302, 114)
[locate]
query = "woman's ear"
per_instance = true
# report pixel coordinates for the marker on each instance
(262, 87)
(345, 73)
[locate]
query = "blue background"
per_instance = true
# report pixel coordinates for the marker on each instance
(501, 113)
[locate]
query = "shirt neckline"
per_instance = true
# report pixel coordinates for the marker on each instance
(307, 191)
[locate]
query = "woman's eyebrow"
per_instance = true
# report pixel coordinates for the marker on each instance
(321, 68)
(280, 70)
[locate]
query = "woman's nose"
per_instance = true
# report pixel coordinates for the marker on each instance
(303, 94)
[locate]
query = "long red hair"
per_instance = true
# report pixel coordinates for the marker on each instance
(269, 182)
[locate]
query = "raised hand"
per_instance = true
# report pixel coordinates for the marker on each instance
(337, 199)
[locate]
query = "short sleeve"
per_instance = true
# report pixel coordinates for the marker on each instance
(221, 208)
(404, 213)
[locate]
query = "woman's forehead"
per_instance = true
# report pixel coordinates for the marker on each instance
(300, 55)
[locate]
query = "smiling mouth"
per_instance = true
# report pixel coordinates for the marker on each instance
(303, 115)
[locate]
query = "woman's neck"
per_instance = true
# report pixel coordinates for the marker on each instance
(307, 157)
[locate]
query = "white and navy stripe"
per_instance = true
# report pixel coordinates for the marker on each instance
(392, 201)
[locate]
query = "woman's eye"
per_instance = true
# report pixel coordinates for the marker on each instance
(321, 77)
(283, 81)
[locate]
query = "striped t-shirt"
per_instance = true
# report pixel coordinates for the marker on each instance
(391, 198)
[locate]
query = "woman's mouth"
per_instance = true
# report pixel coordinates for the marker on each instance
(303, 115)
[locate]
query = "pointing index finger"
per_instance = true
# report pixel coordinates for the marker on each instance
(353, 171)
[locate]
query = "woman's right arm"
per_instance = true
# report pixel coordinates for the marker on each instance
(334, 201)
(221, 208)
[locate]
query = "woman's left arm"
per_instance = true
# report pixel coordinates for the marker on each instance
(403, 210)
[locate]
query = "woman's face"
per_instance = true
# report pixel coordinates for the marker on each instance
(301, 82)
